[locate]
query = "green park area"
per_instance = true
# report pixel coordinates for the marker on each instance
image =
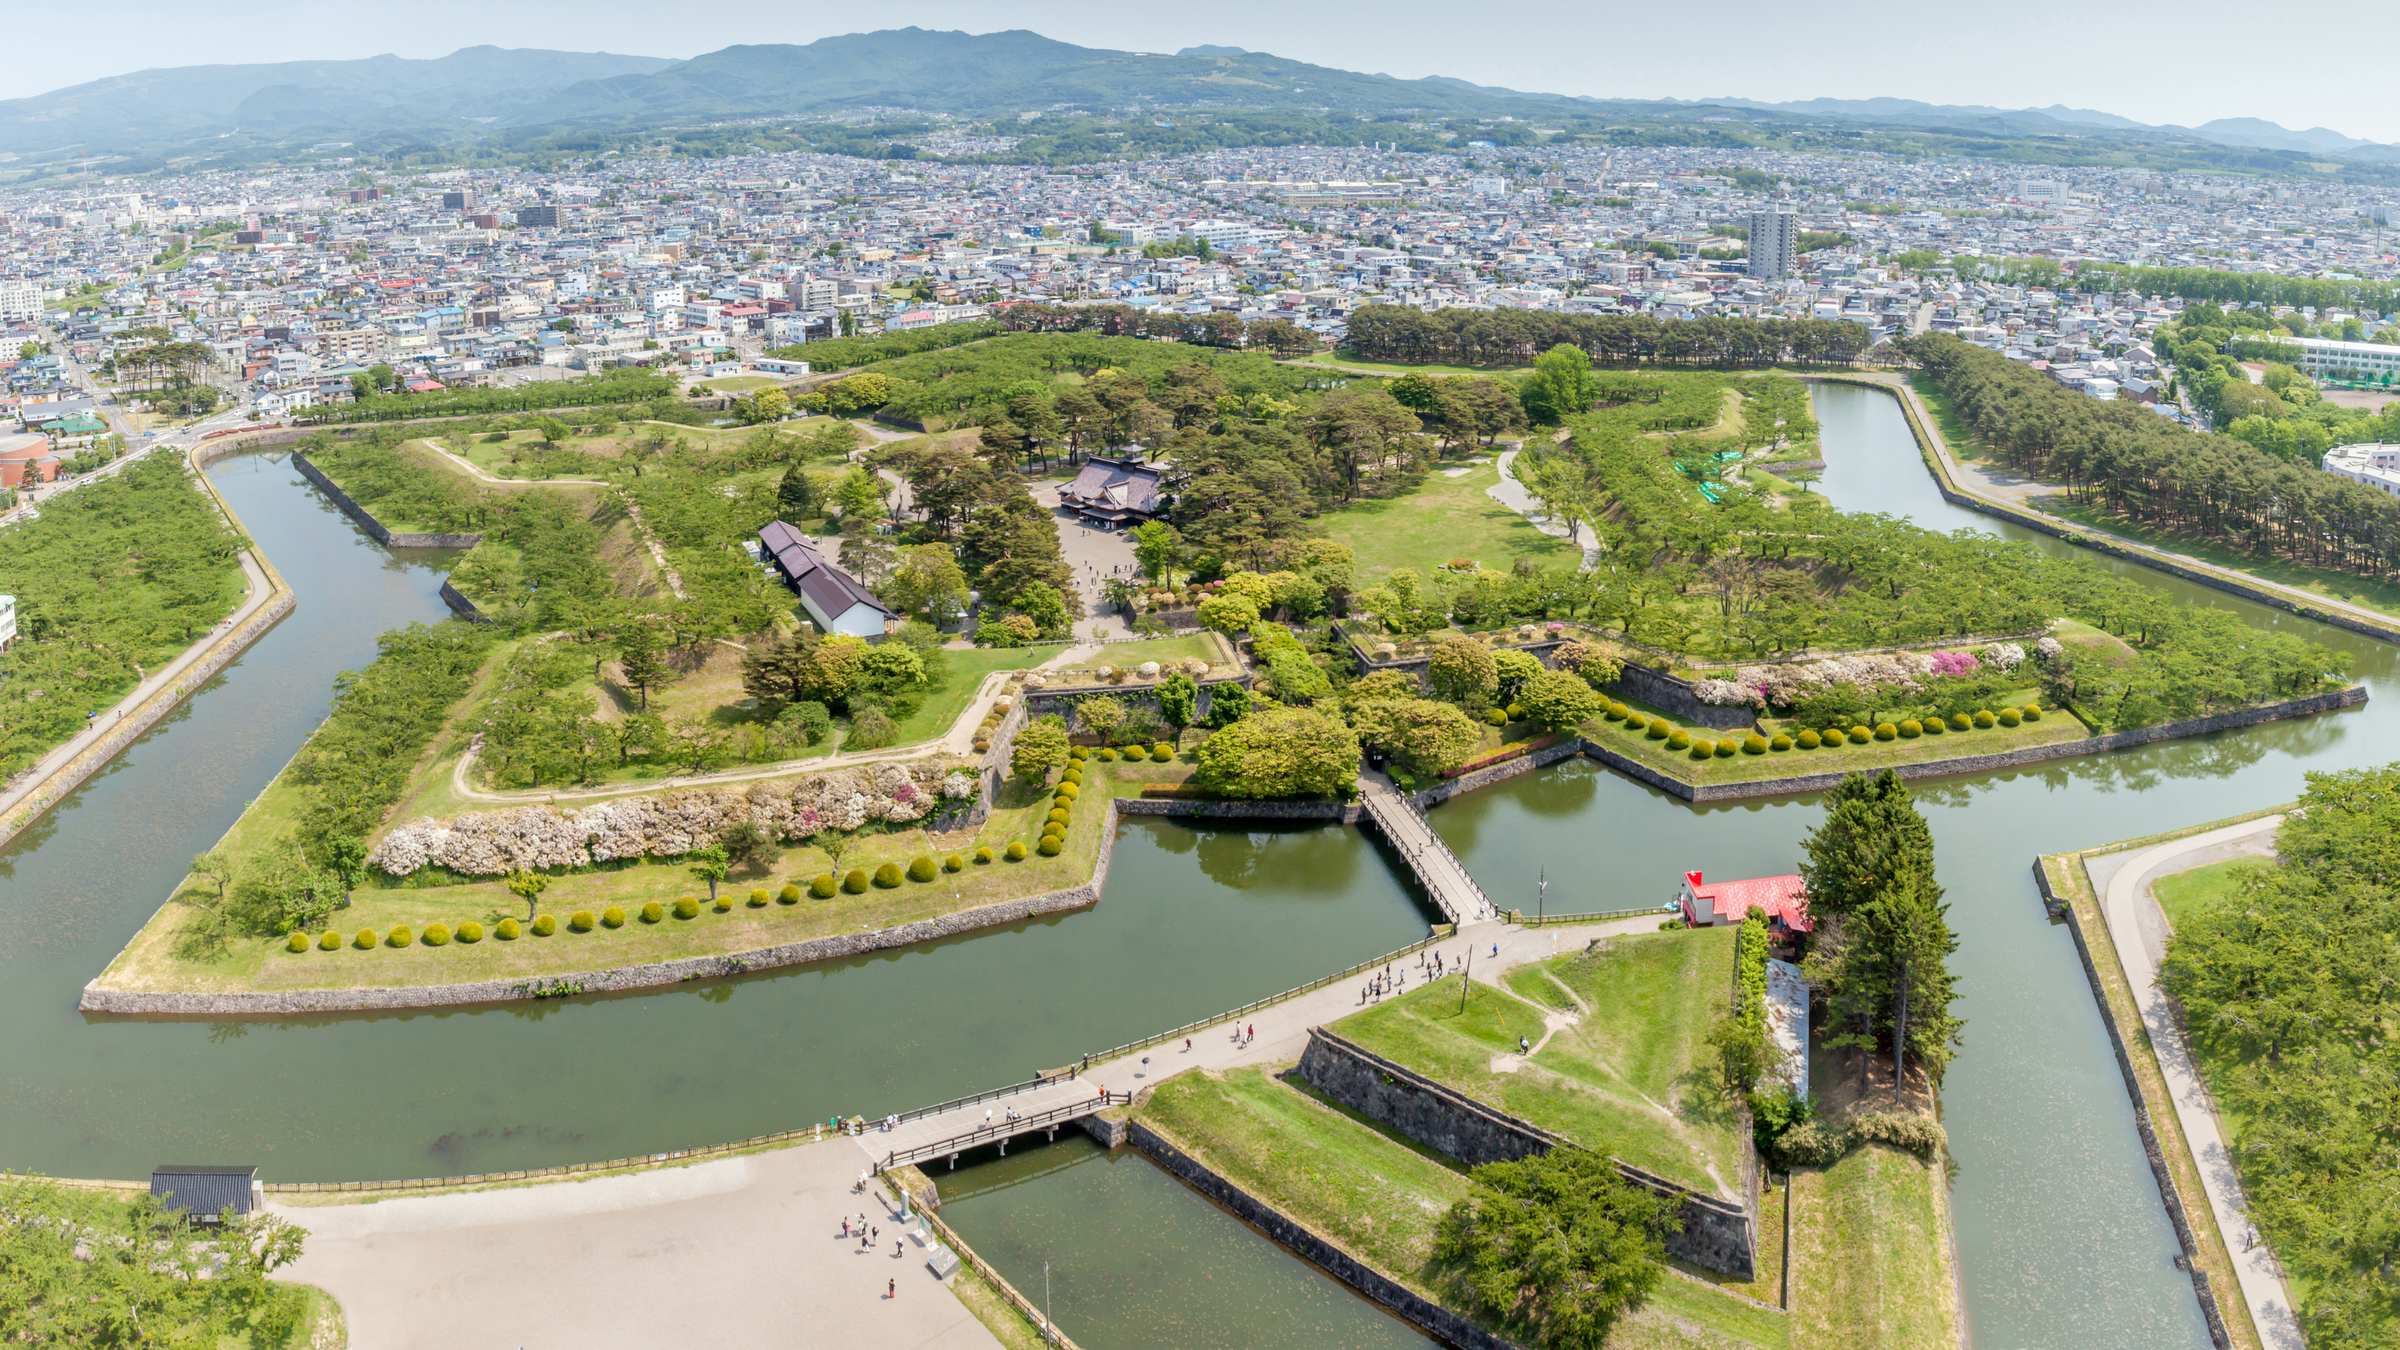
(114, 579)
(2280, 967)
(1623, 1065)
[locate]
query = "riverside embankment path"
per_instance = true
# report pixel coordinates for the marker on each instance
(2136, 931)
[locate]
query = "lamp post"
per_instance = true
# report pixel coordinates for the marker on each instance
(1542, 904)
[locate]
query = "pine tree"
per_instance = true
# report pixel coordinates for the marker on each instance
(1872, 837)
(644, 665)
(795, 496)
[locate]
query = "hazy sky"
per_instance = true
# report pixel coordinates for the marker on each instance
(2186, 63)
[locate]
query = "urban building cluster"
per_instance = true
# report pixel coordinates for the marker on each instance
(309, 288)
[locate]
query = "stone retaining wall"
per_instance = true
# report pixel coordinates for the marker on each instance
(1673, 695)
(1348, 813)
(1439, 1322)
(1963, 764)
(375, 528)
(461, 605)
(1501, 772)
(2155, 1153)
(1717, 1234)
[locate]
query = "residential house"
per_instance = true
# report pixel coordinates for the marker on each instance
(837, 601)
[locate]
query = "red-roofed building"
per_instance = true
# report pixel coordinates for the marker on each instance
(1707, 903)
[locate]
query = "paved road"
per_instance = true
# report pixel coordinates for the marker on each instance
(2126, 901)
(736, 1252)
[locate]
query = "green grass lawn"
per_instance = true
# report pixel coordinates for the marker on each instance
(1344, 357)
(967, 669)
(1630, 1077)
(1379, 1197)
(739, 384)
(159, 959)
(1444, 518)
(1846, 758)
(1871, 1255)
(2186, 895)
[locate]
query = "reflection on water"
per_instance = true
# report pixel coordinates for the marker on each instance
(2061, 1237)
(1139, 1260)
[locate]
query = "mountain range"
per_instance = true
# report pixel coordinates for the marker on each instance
(388, 104)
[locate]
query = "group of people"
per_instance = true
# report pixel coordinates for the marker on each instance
(867, 1238)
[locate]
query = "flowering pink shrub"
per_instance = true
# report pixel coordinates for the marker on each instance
(1954, 663)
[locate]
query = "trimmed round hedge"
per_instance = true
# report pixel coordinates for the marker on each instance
(1078, 751)
(297, 942)
(1620, 712)
(1960, 722)
(1496, 717)
(983, 854)
(2031, 712)
(689, 907)
(1016, 850)
(821, 887)
(789, 895)
(1911, 729)
(1984, 721)
(1660, 729)
(613, 916)
(366, 939)
(2007, 717)
(1702, 749)
(758, 897)
(437, 935)
(954, 863)
(1781, 742)
(1885, 731)
(1068, 791)
(1516, 711)
(652, 911)
(545, 925)
(399, 936)
(855, 881)
(1861, 735)
(1808, 740)
(1754, 744)
(1049, 848)
(1726, 747)
(1057, 816)
(331, 942)
(470, 931)
(888, 875)
(1933, 726)
(1679, 739)
(1106, 755)
(1161, 753)
(506, 930)
(922, 869)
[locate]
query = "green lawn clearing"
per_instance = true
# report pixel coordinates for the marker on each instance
(1871, 1255)
(2187, 895)
(1626, 1070)
(1442, 519)
(739, 384)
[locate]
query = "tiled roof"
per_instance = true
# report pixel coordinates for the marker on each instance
(1781, 897)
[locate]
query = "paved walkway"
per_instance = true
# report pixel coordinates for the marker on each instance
(737, 1252)
(1445, 877)
(1271, 1035)
(2126, 899)
(1513, 495)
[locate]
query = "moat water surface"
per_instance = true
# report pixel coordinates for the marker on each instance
(2061, 1238)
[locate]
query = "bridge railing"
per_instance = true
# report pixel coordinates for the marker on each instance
(1294, 992)
(1004, 1129)
(990, 1094)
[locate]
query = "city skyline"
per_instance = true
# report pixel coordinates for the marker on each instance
(2185, 76)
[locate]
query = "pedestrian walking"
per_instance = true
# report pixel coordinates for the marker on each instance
(891, 1289)
(845, 1228)
(1187, 1045)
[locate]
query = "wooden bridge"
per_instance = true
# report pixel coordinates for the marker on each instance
(952, 1127)
(1445, 878)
